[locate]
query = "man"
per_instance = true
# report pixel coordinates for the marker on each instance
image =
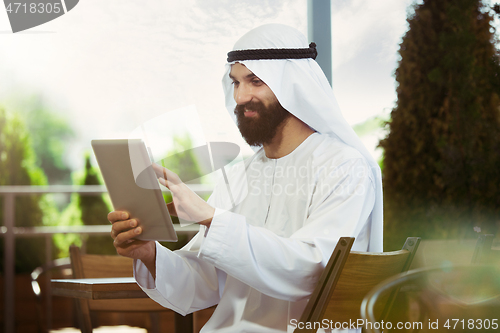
(310, 183)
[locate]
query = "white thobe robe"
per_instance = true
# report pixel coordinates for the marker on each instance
(260, 260)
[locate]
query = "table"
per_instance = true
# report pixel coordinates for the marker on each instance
(111, 288)
(10, 232)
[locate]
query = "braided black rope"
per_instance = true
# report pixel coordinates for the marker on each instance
(266, 54)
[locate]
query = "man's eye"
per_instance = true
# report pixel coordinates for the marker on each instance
(235, 83)
(256, 82)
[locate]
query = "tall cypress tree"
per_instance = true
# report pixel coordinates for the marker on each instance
(94, 211)
(441, 155)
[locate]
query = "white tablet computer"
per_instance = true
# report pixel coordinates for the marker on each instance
(133, 186)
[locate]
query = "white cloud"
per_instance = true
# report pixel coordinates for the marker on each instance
(358, 23)
(365, 39)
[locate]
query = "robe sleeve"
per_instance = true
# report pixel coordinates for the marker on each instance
(184, 283)
(288, 268)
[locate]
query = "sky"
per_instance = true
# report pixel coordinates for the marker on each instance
(109, 67)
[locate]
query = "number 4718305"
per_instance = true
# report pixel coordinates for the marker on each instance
(32, 8)
(471, 324)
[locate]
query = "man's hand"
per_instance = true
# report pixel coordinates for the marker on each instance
(123, 231)
(187, 205)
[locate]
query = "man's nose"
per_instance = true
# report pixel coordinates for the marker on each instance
(242, 94)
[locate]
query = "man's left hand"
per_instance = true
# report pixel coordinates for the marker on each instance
(187, 205)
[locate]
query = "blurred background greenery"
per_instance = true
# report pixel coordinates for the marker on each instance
(33, 142)
(442, 152)
(440, 144)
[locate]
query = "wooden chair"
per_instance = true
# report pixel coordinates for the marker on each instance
(441, 300)
(347, 278)
(103, 266)
(40, 284)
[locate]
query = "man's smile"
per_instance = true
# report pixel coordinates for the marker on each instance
(249, 113)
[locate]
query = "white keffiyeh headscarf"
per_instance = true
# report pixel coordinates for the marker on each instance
(302, 89)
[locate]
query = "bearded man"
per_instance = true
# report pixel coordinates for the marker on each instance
(311, 183)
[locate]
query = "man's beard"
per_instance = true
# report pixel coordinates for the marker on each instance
(262, 128)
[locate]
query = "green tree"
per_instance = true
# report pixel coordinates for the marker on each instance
(18, 167)
(70, 216)
(85, 210)
(441, 155)
(182, 160)
(50, 134)
(94, 211)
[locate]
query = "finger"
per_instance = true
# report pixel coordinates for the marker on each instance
(163, 182)
(115, 233)
(123, 237)
(158, 169)
(171, 176)
(117, 216)
(162, 172)
(121, 226)
(171, 209)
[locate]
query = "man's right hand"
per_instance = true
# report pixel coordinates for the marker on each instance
(123, 232)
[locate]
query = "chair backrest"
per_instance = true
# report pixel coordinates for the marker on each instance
(99, 266)
(105, 266)
(348, 277)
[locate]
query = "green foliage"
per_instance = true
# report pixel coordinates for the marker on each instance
(94, 211)
(18, 167)
(183, 161)
(442, 151)
(49, 135)
(86, 210)
(71, 216)
(370, 125)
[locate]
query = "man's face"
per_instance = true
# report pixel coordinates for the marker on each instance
(258, 111)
